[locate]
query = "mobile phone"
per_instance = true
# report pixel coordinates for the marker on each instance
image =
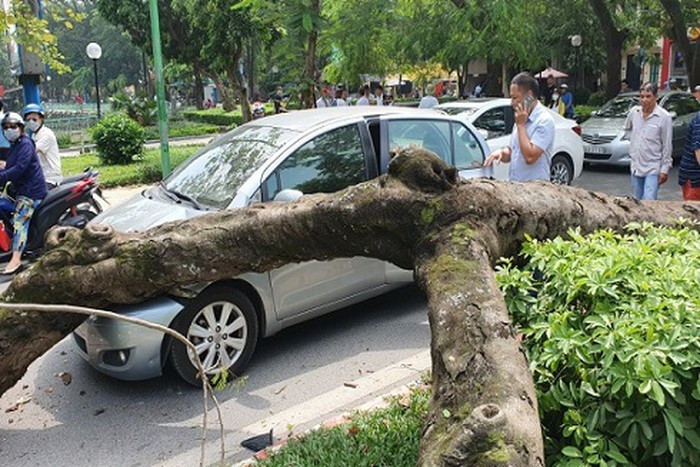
(528, 100)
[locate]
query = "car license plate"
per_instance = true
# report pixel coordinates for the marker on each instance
(594, 149)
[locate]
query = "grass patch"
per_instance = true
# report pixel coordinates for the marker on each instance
(384, 437)
(146, 170)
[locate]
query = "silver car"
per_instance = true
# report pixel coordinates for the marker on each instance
(604, 140)
(277, 158)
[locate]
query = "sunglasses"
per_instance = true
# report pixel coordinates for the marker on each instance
(8, 126)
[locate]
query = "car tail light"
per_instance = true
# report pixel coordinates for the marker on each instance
(577, 129)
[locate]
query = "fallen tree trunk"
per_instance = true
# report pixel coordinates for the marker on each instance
(419, 216)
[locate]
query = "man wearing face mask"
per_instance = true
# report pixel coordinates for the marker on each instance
(532, 141)
(22, 168)
(46, 144)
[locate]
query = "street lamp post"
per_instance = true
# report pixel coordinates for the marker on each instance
(576, 44)
(94, 51)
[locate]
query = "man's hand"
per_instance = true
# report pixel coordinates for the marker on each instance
(499, 155)
(663, 178)
(2, 165)
(521, 114)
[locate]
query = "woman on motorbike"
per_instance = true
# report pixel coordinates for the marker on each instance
(22, 168)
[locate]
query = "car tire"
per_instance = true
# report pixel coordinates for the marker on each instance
(204, 322)
(561, 170)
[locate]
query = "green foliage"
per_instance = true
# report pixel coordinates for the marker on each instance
(610, 324)
(140, 109)
(119, 139)
(389, 436)
(216, 116)
(597, 99)
(182, 128)
(146, 170)
(584, 111)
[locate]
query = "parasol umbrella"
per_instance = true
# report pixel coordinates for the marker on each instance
(549, 71)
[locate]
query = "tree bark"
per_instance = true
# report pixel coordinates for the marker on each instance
(419, 216)
(614, 43)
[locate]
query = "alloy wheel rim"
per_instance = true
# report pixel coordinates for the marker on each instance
(560, 174)
(218, 332)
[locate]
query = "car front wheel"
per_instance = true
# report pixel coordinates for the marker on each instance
(561, 171)
(222, 324)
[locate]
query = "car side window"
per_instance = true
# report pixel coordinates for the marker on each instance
(682, 105)
(433, 135)
(493, 121)
(468, 153)
(328, 163)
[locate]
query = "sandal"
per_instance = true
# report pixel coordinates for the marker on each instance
(16, 270)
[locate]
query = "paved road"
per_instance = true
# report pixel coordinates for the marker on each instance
(296, 380)
(616, 181)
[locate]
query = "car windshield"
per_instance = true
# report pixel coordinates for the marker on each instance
(618, 107)
(213, 176)
(458, 110)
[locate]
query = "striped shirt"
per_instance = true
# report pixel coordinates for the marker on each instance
(651, 141)
(689, 167)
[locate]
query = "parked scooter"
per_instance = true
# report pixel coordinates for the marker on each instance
(72, 203)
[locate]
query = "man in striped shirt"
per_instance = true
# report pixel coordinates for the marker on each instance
(689, 173)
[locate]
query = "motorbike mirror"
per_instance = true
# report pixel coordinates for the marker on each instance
(288, 195)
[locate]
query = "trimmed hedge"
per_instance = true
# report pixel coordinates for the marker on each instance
(215, 117)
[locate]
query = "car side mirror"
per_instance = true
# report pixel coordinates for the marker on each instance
(673, 115)
(288, 195)
(483, 132)
(594, 113)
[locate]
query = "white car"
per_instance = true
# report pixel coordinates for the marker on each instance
(494, 119)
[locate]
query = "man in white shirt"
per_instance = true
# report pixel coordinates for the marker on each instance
(532, 141)
(341, 97)
(379, 93)
(364, 100)
(46, 144)
(650, 131)
(325, 99)
(429, 100)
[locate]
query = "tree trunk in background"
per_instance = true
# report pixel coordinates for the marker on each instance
(419, 216)
(614, 45)
(308, 97)
(691, 54)
(198, 90)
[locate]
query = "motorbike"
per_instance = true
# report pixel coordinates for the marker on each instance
(72, 203)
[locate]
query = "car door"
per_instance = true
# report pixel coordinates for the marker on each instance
(496, 124)
(326, 163)
(683, 108)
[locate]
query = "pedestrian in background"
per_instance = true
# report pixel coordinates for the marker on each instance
(549, 91)
(566, 101)
(624, 86)
(429, 100)
(379, 95)
(364, 100)
(46, 144)
(532, 141)
(325, 99)
(689, 169)
(696, 92)
(649, 129)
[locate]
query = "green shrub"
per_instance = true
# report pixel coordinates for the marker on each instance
(610, 325)
(597, 99)
(141, 109)
(181, 129)
(118, 139)
(584, 111)
(215, 117)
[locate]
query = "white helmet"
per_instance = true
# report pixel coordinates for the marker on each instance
(12, 117)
